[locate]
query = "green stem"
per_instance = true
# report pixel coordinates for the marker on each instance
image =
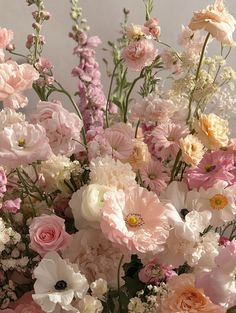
(118, 282)
(109, 92)
(173, 172)
(196, 78)
(136, 129)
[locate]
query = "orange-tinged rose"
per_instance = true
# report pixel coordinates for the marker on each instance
(216, 20)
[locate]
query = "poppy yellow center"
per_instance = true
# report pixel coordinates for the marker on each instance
(218, 202)
(134, 220)
(21, 142)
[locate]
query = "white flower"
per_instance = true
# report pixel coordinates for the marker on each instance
(9, 117)
(220, 201)
(107, 171)
(87, 203)
(136, 306)
(90, 304)
(99, 288)
(58, 283)
(7, 235)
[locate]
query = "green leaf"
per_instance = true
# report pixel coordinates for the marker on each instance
(232, 310)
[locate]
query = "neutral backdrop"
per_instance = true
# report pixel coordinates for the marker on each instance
(104, 17)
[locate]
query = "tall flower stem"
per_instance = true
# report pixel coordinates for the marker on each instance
(196, 78)
(118, 282)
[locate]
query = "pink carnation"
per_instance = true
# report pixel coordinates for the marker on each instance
(134, 219)
(214, 166)
(11, 206)
(47, 233)
(139, 54)
(22, 144)
(6, 36)
(62, 127)
(14, 80)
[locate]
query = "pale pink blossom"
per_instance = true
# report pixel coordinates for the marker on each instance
(139, 54)
(6, 36)
(62, 127)
(3, 181)
(153, 176)
(185, 297)
(165, 138)
(11, 206)
(153, 27)
(214, 166)
(22, 144)
(220, 284)
(14, 79)
(47, 233)
(134, 219)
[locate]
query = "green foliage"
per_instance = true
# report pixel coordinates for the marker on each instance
(232, 310)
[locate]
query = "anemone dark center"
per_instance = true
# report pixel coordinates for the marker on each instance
(60, 285)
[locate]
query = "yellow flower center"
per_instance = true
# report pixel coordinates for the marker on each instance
(218, 202)
(21, 142)
(152, 176)
(209, 168)
(134, 220)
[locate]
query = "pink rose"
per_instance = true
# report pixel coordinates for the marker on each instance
(6, 37)
(22, 144)
(47, 233)
(139, 54)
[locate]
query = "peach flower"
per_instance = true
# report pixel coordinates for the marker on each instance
(6, 36)
(185, 297)
(139, 54)
(192, 149)
(212, 131)
(216, 20)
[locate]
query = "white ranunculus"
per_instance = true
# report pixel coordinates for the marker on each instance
(99, 288)
(87, 203)
(58, 283)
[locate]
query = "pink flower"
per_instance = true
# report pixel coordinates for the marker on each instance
(154, 272)
(14, 79)
(154, 29)
(214, 166)
(22, 144)
(47, 233)
(6, 36)
(154, 176)
(139, 54)
(184, 297)
(3, 181)
(219, 284)
(165, 138)
(26, 305)
(11, 206)
(62, 127)
(134, 219)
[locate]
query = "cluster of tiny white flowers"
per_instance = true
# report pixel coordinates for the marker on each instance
(7, 236)
(7, 294)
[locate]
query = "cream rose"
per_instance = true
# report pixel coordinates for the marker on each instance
(192, 149)
(216, 20)
(212, 131)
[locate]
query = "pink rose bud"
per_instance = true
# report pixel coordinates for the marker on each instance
(12, 206)
(47, 233)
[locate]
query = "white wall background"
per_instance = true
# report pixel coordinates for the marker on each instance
(104, 17)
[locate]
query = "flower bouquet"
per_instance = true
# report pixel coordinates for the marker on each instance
(127, 204)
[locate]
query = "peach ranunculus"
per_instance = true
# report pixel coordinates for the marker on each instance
(139, 54)
(185, 297)
(212, 131)
(14, 79)
(6, 36)
(192, 149)
(47, 233)
(216, 20)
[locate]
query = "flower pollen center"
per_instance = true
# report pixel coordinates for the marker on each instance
(21, 142)
(60, 285)
(134, 220)
(218, 202)
(209, 168)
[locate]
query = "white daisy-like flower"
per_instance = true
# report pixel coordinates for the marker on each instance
(58, 283)
(220, 200)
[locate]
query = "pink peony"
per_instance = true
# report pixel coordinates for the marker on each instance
(62, 127)
(22, 144)
(47, 233)
(134, 219)
(14, 79)
(184, 297)
(220, 284)
(6, 36)
(139, 54)
(26, 305)
(214, 166)
(11, 206)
